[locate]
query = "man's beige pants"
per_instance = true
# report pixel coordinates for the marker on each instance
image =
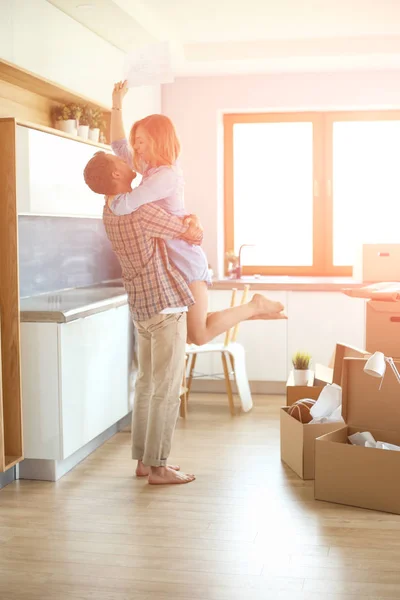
(161, 354)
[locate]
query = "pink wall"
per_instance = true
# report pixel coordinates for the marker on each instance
(196, 106)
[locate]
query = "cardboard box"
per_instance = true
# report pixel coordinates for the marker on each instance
(297, 440)
(377, 262)
(383, 327)
(354, 475)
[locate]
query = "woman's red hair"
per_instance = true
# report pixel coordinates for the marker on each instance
(164, 146)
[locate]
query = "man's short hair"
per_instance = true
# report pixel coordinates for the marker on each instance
(98, 174)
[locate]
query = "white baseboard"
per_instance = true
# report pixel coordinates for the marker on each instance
(217, 386)
(7, 477)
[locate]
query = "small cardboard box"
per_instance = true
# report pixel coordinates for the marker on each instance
(383, 327)
(354, 475)
(377, 262)
(297, 440)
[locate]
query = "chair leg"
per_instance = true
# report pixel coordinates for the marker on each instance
(190, 378)
(228, 384)
(238, 362)
(183, 405)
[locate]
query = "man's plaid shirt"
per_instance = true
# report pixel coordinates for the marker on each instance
(151, 281)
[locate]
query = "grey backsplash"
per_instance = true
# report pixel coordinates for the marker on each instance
(60, 252)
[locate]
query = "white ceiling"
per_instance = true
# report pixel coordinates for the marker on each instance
(211, 37)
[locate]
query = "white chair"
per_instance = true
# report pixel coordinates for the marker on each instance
(232, 357)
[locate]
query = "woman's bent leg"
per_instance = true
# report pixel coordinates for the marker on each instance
(204, 326)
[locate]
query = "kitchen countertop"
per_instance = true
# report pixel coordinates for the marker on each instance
(68, 305)
(281, 283)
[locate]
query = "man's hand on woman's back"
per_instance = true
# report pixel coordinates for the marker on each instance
(194, 233)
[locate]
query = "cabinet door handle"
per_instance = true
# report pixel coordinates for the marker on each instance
(395, 319)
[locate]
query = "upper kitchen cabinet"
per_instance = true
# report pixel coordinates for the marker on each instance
(50, 175)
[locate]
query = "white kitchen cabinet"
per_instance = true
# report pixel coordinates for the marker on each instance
(264, 342)
(318, 320)
(50, 175)
(75, 381)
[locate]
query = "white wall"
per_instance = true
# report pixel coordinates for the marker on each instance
(196, 106)
(40, 38)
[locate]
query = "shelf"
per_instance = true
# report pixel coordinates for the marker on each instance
(60, 133)
(53, 131)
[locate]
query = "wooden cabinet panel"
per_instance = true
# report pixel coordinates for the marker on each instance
(11, 449)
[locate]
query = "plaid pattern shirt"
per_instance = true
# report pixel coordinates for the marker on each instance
(151, 281)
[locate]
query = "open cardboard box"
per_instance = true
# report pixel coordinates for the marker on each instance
(297, 440)
(354, 475)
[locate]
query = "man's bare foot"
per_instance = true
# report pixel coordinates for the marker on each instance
(143, 471)
(167, 476)
(263, 307)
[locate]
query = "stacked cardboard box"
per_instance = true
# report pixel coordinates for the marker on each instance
(383, 327)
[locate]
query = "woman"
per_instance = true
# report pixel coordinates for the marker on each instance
(153, 151)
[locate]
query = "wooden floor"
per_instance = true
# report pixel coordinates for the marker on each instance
(247, 529)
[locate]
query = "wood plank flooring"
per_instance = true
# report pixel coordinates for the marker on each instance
(247, 528)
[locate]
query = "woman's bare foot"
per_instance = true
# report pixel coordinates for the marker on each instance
(264, 308)
(143, 471)
(168, 476)
(271, 317)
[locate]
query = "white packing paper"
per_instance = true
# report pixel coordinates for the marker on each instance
(382, 446)
(328, 402)
(328, 407)
(149, 65)
(360, 439)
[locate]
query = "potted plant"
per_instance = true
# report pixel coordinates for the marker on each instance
(301, 367)
(96, 123)
(84, 122)
(65, 119)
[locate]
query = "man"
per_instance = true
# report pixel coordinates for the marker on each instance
(158, 299)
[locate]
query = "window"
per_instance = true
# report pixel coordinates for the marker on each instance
(307, 189)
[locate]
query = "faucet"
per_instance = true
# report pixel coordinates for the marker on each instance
(238, 269)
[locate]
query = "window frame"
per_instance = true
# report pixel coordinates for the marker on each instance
(323, 123)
